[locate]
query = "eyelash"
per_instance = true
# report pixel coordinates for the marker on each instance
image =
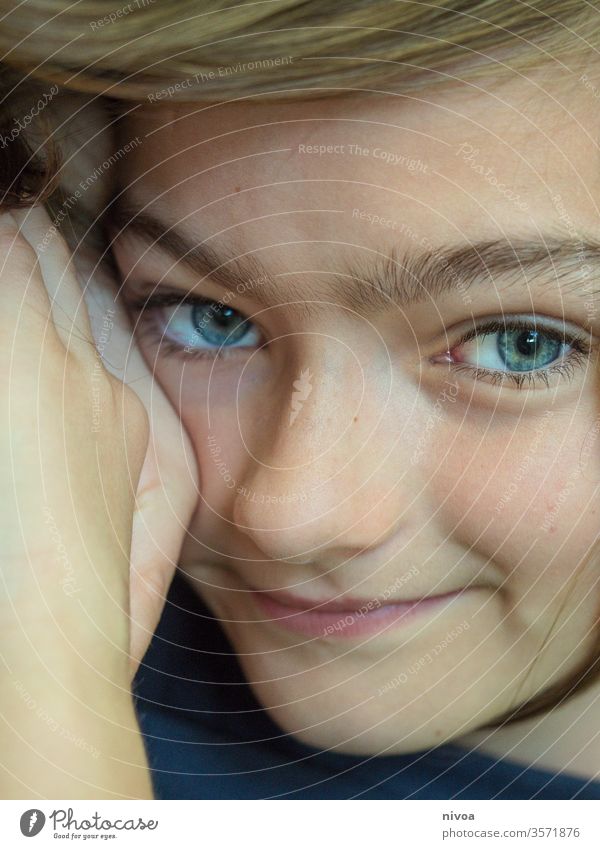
(528, 379)
(581, 349)
(148, 329)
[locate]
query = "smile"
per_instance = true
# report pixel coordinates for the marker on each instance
(343, 619)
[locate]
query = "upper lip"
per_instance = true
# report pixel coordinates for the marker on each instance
(344, 604)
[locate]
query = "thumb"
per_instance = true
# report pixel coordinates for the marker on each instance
(165, 501)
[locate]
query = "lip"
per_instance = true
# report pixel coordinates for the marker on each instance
(343, 619)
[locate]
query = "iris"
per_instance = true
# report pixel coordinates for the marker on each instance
(524, 350)
(219, 324)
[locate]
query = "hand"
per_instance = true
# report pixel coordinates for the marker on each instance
(73, 438)
(72, 444)
(168, 489)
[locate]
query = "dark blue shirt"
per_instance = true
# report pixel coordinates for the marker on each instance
(208, 738)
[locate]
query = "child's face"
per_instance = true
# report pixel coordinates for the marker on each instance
(352, 447)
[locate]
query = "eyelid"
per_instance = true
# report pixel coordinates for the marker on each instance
(148, 305)
(580, 343)
(155, 299)
(147, 295)
(523, 322)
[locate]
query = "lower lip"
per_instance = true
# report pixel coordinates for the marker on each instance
(346, 623)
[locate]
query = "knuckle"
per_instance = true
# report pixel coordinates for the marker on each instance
(129, 407)
(135, 412)
(16, 254)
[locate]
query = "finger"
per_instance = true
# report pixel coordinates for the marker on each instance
(69, 311)
(111, 327)
(25, 309)
(167, 491)
(166, 497)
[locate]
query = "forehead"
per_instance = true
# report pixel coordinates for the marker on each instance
(450, 163)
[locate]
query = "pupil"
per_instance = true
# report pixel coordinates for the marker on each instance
(527, 343)
(222, 315)
(219, 324)
(525, 350)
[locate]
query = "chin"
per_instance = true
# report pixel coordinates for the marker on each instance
(354, 731)
(343, 718)
(334, 696)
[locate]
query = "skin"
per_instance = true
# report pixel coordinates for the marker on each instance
(100, 486)
(66, 655)
(376, 518)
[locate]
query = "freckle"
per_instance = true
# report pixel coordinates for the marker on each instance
(237, 188)
(355, 418)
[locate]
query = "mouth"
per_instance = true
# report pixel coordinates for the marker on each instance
(344, 619)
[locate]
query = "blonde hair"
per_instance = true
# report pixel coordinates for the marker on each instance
(155, 49)
(126, 49)
(276, 49)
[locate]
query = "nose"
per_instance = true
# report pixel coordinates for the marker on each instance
(322, 473)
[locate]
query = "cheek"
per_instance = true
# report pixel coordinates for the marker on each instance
(523, 505)
(207, 409)
(219, 454)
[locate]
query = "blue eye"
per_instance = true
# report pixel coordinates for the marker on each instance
(521, 348)
(525, 350)
(207, 324)
(219, 324)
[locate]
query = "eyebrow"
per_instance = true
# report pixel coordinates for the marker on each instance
(377, 279)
